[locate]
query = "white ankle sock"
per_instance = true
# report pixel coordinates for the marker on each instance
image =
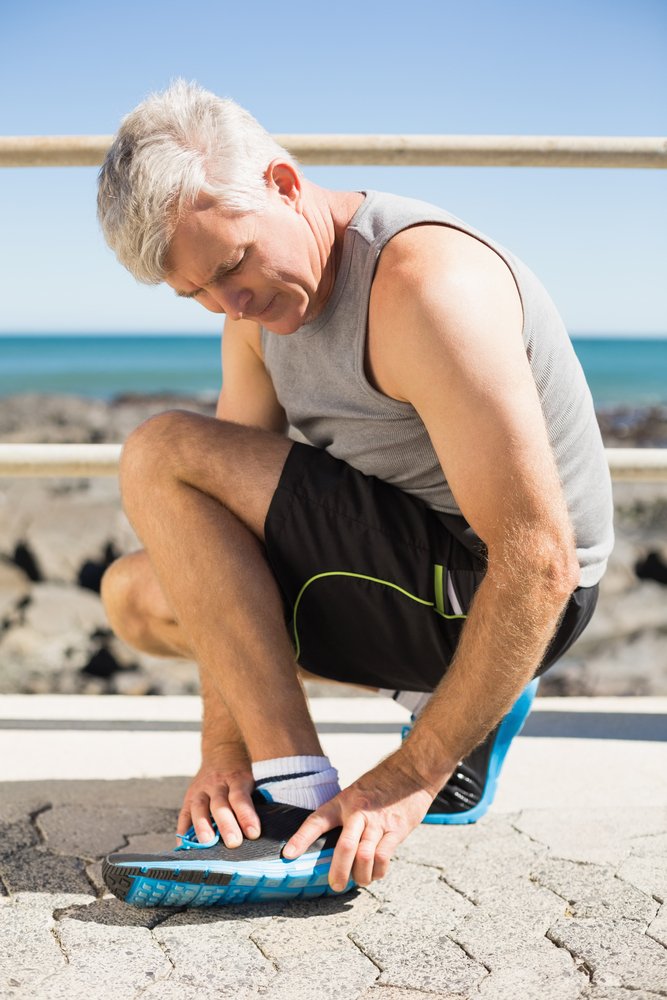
(302, 781)
(414, 701)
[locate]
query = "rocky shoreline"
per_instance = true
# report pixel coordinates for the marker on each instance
(58, 535)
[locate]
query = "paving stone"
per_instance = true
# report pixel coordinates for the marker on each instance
(94, 874)
(496, 870)
(29, 952)
(552, 978)
(95, 831)
(648, 874)
(617, 951)
(113, 913)
(601, 836)
(149, 843)
(169, 989)
(657, 929)
(16, 836)
(440, 846)
(514, 938)
(317, 925)
(36, 871)
(339, 975)
(655, 846)
(398, 993)
(51, 901)
(217, 955)
(124, 959)
(417, 892)
(255, 915)
(593, 892)
(417, 954)
(19, 797)
(617, 993)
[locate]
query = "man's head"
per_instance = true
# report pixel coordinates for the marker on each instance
(173, 149)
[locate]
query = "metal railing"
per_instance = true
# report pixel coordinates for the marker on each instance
(639, 465)
(384, 150)
(626, 464)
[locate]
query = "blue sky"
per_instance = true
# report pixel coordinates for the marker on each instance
(595, 237)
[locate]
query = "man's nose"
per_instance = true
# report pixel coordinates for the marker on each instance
(236, 303)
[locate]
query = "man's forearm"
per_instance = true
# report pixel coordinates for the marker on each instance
(504, 639)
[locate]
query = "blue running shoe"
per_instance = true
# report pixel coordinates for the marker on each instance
(472, 788)
(211, 874)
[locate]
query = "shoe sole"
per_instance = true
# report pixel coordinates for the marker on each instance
(199, 884)
(510, 727)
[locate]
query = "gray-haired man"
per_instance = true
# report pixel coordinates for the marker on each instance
(436, 519)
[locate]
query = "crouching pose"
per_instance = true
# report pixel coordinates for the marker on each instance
(405, 489)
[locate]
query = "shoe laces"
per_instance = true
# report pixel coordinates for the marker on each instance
(189, 840)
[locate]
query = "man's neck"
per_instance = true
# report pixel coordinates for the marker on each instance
(328, 213)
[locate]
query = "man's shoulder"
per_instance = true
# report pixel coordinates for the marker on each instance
(437, 262)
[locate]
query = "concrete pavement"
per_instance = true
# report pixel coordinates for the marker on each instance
(560, 892)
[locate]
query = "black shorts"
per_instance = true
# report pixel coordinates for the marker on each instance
(377, 585)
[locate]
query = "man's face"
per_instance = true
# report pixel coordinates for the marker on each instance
(263, 267)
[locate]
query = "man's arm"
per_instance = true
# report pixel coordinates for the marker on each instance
(247, 395)
(445, 334)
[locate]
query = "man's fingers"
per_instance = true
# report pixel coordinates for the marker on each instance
(326, 818)
(383, 854)
(346, 850)
(184, 820)
(200, 811)
(364, 861)
(241, 802)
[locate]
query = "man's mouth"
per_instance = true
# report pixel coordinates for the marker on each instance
(266, 309)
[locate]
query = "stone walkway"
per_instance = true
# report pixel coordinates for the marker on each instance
(544, 904)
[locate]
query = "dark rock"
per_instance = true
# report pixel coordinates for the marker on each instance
(113, 913)
(93, 831)
(34, 870)
(91, 573)
(17, 836)
(25, 560)
(652, 568)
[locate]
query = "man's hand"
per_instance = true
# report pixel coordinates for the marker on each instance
(377, 813)
(222, 788)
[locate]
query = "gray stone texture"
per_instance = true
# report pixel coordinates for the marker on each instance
(339, 975)
(217, 955)
(417, 953)
(600, 836)
(34, 870)
(647, 874)
(618, 952)
(95, 831)
(657, 929)
(320, 925)
(492, 911)
(553, 978)
(593, 891)
(124, 959)
(29, 951)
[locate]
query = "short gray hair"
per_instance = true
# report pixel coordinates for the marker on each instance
(171, 148)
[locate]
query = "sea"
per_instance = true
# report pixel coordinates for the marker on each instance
(621, 371)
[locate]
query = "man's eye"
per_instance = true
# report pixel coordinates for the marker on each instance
(237, 267)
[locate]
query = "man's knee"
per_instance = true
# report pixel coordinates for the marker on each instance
(159, 445)
(121, 593)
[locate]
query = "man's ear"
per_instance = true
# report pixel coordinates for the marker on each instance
(282, 178)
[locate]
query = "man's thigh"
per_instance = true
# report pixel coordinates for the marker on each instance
(237, 465)
(376, 587)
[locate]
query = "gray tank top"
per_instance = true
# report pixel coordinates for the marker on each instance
(318, 375)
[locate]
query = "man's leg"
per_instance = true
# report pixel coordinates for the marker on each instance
(197, 492)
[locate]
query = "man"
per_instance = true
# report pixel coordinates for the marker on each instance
(435, 521)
